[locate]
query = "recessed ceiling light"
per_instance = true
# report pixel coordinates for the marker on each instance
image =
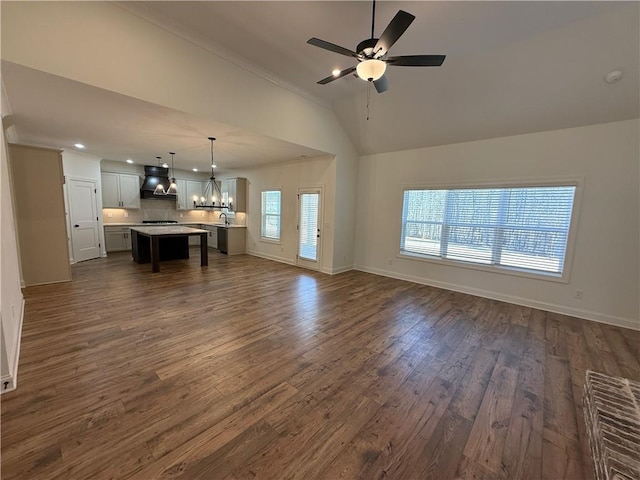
(79, 145)
(194, 169)
(335, 72)
(129, 160)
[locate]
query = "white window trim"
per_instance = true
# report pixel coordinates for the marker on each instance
(576, 181)
(270, 240)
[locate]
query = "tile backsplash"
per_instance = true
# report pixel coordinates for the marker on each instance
(164, 210)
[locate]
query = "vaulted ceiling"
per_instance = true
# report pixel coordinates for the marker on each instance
(511, 68)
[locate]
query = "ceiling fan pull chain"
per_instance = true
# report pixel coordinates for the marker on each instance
(368, 97)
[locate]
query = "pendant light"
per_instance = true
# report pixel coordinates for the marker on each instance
(159, 190)
(212, 197)
(173, 188)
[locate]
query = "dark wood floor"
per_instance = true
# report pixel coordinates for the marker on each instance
(249, 368)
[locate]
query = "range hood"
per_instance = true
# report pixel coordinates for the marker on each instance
(152, 177)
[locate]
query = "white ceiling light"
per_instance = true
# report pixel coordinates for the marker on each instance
(213, 166)
(194, 169)
(335, 72)
(79, 145)
(129, 160)
(371, 70)
(165, 165)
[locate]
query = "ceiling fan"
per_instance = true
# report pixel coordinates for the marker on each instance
(372, 53)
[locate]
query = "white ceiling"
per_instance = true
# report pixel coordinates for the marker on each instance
(511, 68)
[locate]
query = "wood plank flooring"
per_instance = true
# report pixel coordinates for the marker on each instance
(253, 369)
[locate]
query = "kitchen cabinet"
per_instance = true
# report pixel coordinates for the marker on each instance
(236, 241)
(193, 240)
(188, 190)
(212, 236)
(237, 194)
(120, 190)
(117, 239)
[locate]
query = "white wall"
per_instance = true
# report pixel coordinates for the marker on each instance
(606, 256)
(315, 172)
(11, 300)
(127, 55)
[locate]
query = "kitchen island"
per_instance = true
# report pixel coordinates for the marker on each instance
(152, 244)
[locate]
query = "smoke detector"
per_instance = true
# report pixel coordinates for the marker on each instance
(613, 77)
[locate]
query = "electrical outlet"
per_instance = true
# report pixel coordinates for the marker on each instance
(126, 214)
(109, 215)
(390, 262)
(202, 214)
(181, 215)
(579, 294)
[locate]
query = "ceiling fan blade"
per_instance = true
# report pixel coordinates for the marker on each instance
(416, 60)
(381, 84)
(331, 78)
(393, 32)
(316, 42)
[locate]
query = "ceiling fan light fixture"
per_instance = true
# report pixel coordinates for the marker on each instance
(371, 69)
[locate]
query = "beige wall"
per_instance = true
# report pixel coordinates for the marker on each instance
(315, 172)
(606, 256)
(37, 179)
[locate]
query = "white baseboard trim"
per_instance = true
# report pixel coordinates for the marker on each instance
(271, 257)
(525, 302)
(10, 382)
(328, 271)
(336, 270)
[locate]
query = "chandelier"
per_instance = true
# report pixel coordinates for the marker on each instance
(212, 196)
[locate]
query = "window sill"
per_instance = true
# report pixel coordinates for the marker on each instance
(502, 270)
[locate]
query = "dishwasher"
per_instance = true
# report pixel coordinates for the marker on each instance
(222, 240)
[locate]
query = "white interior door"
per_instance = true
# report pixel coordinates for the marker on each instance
(83, 215)
(309, 222)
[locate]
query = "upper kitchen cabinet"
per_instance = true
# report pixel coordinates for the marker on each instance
(120, 190)
(237, 194)
(188, 192)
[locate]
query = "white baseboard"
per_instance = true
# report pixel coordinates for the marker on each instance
(10, 382)
(526, 302)
(271, 257)
(336, 270)
(329, 271)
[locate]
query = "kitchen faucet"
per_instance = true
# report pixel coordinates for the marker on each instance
(226, 222)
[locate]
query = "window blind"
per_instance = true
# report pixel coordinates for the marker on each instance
(308, 242)
(271, 214)
(522, 227)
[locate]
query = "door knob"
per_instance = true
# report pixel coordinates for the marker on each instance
(76, 225)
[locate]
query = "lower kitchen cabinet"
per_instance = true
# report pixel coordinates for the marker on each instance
(193, 239)
(212, 236)
(117, 239)
(236, 240)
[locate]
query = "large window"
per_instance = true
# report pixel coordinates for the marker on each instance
(525, 228)
(270, 215)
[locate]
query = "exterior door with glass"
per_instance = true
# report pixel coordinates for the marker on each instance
(309, 222)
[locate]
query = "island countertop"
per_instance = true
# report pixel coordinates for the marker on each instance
(168, 230)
